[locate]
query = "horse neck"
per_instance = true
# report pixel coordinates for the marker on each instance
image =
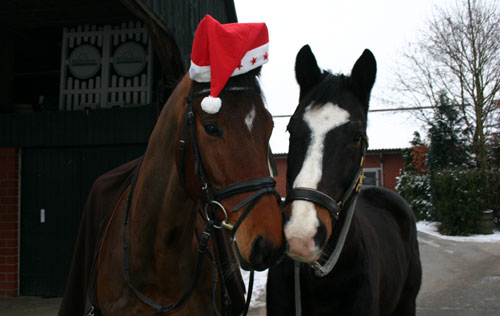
(163, 215)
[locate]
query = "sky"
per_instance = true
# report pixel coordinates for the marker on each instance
(338, 32)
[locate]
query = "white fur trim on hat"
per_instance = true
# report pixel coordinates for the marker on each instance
(253, 58)
(199, 73)
(211, 105)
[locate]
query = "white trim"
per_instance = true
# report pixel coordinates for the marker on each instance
(199, 73)
(246, 61)
(203, 73)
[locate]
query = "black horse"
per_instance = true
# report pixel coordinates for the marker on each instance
(356, 251)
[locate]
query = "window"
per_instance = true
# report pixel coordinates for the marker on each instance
(371, 176)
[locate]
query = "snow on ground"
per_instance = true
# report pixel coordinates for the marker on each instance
(430, 228)
(259, 287)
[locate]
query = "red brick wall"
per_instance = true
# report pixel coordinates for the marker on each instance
(392, 165)
(9, 225)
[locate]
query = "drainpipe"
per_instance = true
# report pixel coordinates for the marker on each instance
(382, 169)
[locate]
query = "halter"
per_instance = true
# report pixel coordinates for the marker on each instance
(347, 202)
(335, 208)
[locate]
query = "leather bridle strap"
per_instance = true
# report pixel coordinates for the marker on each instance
(262, 186)
(318, 197)
(203, 250)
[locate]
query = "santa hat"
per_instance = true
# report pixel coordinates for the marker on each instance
(221, 51)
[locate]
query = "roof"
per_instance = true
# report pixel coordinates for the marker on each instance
(369, 152)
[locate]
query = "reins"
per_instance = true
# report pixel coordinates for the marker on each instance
(261, 186)
(203, 250)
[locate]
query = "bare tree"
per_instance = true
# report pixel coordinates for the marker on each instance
(459, 54)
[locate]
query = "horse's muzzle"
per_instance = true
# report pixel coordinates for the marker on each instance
(262, 256)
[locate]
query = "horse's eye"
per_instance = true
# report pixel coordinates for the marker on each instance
(357, 138)
(213, 129)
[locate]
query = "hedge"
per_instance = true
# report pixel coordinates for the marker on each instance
(461, 196)
(415, 189)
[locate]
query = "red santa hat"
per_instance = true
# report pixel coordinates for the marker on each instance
(221, 51)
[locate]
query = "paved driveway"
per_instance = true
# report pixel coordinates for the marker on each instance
(460, 279)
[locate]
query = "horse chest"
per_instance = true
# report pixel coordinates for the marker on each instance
(347, 290)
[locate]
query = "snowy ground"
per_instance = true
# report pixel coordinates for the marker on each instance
(431, 229)
(425, 227)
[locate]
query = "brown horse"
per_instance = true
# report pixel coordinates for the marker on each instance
(193, 159)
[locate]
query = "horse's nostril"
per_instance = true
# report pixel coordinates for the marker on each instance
(264, 254)
(320, 237)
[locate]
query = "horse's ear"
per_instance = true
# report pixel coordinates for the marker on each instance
(307, 71)
(363, 76)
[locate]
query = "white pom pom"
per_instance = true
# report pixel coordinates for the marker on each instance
(211, 105)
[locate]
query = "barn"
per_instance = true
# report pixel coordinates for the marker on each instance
(82, 83)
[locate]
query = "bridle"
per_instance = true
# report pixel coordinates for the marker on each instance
(261, 186)
(213, 198)
(346, 204)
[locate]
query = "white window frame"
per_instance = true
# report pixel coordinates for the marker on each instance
(376, 170)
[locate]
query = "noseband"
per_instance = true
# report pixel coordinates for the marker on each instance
(347, 202)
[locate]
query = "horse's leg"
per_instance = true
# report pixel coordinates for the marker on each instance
(280, 289)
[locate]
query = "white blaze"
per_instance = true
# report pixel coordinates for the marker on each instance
(250, 118)
(320, 120)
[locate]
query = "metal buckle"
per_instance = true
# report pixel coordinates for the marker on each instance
(225, 223)
(360, 181)
(315, 265)
(190, 117)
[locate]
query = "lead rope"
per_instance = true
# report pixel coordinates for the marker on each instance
(298, 303)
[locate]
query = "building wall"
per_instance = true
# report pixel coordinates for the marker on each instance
(9, 221)
(387, 164)
(393, 165)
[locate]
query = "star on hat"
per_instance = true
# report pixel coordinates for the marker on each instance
(221, 51)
